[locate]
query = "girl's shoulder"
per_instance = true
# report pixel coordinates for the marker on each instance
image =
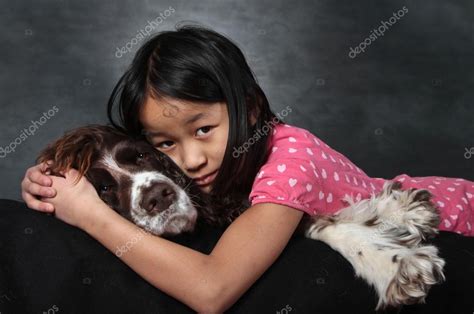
(294, 141)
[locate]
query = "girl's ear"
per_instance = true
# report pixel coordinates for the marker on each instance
(254, 113)
(74, 150)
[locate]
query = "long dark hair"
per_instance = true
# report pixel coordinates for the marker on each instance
(195, 63)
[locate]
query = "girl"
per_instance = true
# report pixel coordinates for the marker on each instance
(193, 95)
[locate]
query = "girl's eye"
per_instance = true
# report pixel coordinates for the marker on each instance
(159, 144)
(205, 129)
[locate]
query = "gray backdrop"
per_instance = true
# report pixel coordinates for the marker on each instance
(403, 105)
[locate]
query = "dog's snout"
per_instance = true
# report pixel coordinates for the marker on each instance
(159, 197)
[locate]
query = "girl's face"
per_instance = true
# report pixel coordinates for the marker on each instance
(192, 134)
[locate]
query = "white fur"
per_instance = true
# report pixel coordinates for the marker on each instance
(387, 252)
(180, 216)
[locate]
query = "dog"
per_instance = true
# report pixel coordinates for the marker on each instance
(382, 237)
(140, 183)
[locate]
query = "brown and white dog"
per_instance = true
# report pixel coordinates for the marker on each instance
(140, 183)
(382, 237)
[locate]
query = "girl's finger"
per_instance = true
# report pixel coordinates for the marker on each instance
(36, 204)
(35, 189)
(35, 175)
(45, 165)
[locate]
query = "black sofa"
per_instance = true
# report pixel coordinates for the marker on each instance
(47, 266)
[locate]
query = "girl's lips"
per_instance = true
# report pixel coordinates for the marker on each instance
(208, 179)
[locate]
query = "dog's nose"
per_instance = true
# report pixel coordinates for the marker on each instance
(158, 198)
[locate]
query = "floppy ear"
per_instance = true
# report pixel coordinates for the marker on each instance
(75, 149)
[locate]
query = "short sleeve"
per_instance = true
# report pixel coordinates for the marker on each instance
(294, 182)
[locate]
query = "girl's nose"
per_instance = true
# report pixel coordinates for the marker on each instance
(193, 158)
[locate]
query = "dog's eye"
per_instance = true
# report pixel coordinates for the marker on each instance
(104, 188)
(142, 156)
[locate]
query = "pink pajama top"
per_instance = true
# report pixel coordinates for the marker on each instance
(305, 173)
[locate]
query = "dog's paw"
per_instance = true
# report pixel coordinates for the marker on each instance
(419, 268)
(409, 209)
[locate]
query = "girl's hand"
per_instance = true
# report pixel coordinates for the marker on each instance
(73, 203)
(37, 184)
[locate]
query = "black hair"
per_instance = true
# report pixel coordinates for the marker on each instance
(195, 63)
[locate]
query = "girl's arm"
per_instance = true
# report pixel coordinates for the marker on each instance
(206, 283)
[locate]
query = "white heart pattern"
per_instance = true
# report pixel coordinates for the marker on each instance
(292, 139)
(270, 182)
(309, 151)
(309, 187)
(321, 195)
(281, 168)
(447, 224)
(323, 173)
(260, 174)
(302, 168)
(292, 182)
(451, 189)
(336, 176)
(324, 155)
(460, 207)
(453, 217)
(292, 150)
(274, 149)
(329, 199)
(441, 204)
(469, 195)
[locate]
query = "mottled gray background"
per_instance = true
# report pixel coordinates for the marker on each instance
(405, 105)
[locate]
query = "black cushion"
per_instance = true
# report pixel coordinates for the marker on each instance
(46, 264)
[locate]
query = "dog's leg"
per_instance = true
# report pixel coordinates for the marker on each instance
(408, 210)
(381, 250)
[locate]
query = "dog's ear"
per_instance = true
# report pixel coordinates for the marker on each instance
(75, 149)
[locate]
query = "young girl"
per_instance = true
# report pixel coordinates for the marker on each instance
(193, 95)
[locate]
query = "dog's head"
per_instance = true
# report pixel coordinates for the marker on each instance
(131, 176)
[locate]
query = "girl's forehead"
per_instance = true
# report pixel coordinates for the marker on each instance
(182, 111)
